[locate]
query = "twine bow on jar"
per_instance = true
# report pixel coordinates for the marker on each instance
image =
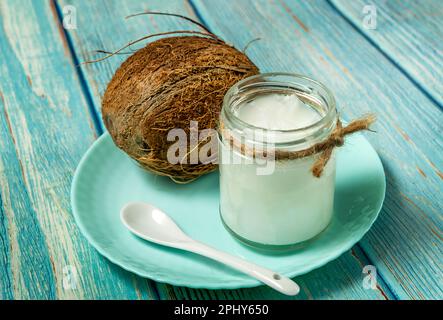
(324, 148)
(336, 139)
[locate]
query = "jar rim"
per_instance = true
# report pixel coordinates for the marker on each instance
(326, 119)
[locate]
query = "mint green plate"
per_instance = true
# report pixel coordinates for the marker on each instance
(106, 179)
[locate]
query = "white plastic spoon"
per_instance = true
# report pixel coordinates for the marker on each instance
(152, 224)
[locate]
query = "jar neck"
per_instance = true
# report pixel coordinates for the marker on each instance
(310, 92)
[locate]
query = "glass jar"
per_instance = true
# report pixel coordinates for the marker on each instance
(269, 201)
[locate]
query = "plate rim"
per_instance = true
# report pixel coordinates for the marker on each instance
(211, 285)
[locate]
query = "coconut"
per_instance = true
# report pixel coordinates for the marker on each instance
(164, 86)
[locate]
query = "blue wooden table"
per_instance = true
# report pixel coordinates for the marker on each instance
(385, 58)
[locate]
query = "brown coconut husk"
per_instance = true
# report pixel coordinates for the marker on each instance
(166, 85)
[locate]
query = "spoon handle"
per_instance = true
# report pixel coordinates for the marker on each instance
(274, 280)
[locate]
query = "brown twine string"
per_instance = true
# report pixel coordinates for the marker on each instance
(324, 148)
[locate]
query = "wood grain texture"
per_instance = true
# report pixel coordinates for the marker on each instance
(310, 37)
(45, 127)
(410, 33)
(339, 279)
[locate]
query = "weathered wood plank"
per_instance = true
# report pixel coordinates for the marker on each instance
(45, 127)
(339, 279)
(410, 33)
(18, 278)
(310, 37)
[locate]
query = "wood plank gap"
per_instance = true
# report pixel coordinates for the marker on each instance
(386, 55)
(199, 16)
(82, 80)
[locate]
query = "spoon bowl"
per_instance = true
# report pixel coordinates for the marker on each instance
(152, 224)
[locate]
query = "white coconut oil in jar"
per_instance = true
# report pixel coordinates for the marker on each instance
(266, 200)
